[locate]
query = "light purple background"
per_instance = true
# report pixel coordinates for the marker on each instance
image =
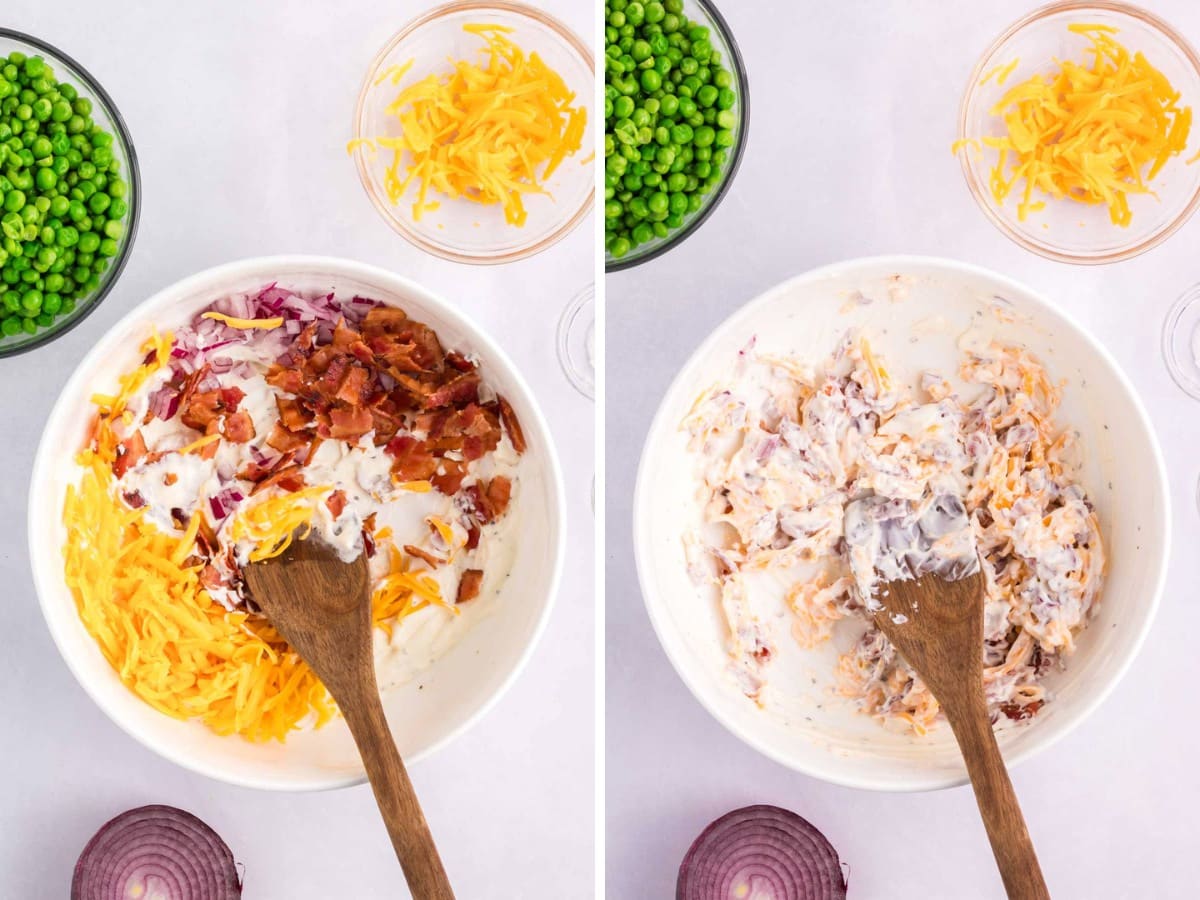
(240, 113)
(854, 108)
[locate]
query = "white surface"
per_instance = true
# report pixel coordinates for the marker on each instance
(803, 722)
(426, 712)
(854, 109)
(240, 114)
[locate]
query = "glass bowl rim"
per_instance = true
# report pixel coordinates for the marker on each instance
(678, 237)
(1122, 252)
(569, 38)
(69, 322)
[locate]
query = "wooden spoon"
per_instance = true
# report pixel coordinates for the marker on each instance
(322, 608)
(937, 626)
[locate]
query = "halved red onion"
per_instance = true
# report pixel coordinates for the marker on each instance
(156, 851)
(761, 853)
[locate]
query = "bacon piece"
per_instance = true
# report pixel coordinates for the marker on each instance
(469, 586)
(288, 478)
(458, 361)
(286, 441)
(336, 502)
(432, 561)
(348, 424)
(129, 452)
(293, 416)
(473, 535)
(285, 379)
(512, 425)
(238, 427)
(355, 386)
(461, 389)
(413, 461)
(1019, 713)
(201, 410)
(498, 493)
(450, 477)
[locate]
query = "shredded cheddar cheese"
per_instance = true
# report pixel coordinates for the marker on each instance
(199, 443)
(489, 132)
(271, 523)
(1092, 133)
(244, 324)
(404, 592)
(417, 487)
(139, 594)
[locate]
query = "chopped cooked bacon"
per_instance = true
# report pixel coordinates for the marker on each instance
(238, 427)
(413, 461)
(498, 493)
(355, 386)
(336, 502)
(286, 379)
(473, 534)
(486, 502)
(288, 478)
(347, 424)
(462, 389)
(449, 477)
(424, 555)
(458, 361)
(286, 441)
(470, 585)
(293, 416)
(199, 411)
(129, 452)
(511, 425)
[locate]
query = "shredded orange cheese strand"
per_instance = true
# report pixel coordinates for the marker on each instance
(139, 595)
(235, 322)
(272, 523)
(487, 132)
(404, 592)
(1092, 133)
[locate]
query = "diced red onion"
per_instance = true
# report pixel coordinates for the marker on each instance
(224, 502)
(164, 403)
(156, 851)
(221, 364)
(762, 852)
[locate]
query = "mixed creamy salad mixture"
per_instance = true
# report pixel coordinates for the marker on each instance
(279, 413)
(820, 481)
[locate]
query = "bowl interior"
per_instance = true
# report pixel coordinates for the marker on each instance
(425, 712)
(706, 14)
(804, 725)
(1067, 229)
(105, 114)
(460, 229)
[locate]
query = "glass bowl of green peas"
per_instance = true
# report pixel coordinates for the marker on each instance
(69, 193)
(677, 115)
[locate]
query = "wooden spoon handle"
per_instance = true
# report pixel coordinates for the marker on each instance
(1015, 856)
(396, 798)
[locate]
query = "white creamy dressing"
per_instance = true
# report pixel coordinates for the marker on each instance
(816, 482)
(363, 474)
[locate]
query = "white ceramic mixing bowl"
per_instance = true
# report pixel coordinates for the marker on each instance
(913, 322)
(424, 714)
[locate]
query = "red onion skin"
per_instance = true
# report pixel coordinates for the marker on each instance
(773, 852)
(156, 846)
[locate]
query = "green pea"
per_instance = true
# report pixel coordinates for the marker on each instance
(89, 242)
(108, 247)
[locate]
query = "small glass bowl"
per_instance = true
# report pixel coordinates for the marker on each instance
(461, 230)
(1065, 230)
(106, 115)
(722, 40)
